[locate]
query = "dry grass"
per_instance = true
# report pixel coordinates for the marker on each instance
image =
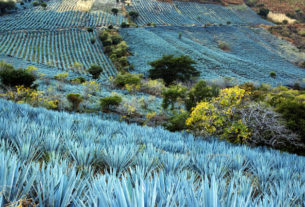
(283, 6)
(75, 5)
(279, 18)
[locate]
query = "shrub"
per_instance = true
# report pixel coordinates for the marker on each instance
(95, 71)
(75, 99)
(92, 40)
(285, 21)
(7, 5)
(177, 121)
(223, 45)
(61, 76)
(124, 25)
(133, 14)
(171, 95)
(122, 79)
(123, 61)
(16, 77)
(110, 27)
(115, 11)
(79, 80)
(200, 92)
(294, 114)
(154, 87)
(267, 128)
(107, 42)
(218, 117)
(116, 39)
(90, 88)
(90, 29)
(263, 12)
(35, 3)
(111, 101)
(43, 5)
(302, 64)
(104, 35)
(273, 75)
(170, 69)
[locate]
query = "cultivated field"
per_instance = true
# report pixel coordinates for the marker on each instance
(191, 172)
(60, 49)
(253, 53)
(189, 13)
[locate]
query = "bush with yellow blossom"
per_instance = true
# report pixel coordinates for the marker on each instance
(218, 117)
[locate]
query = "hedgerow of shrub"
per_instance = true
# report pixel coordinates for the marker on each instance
(122, 79)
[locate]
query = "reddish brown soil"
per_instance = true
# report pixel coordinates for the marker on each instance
(283, 6)
(290, 33)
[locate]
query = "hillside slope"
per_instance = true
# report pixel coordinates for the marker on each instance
(152, 165)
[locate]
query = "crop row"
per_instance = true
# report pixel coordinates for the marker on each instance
(56, 159)
(61, 49)
(51, 19)
(251, 54)
(189, 13)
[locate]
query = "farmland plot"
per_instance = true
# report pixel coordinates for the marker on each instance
(60, 49)
(191, 13)
(139, 164)
(252, 53)
(66, 14)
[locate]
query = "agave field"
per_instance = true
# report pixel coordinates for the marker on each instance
(61, 159)
(61, 49)
(59, 14)
(190, 13)
(253, 53)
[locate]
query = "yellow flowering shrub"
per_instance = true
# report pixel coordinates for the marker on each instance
(132, 87)
(61, 76)
(217, 117)
(31, 69)
(30, 96)
(91, 87)
(150, 115)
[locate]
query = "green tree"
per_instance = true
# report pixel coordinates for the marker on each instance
(95, 71)
(170, 69)
(171, 96)
(200, 92)
(75, 99)
(110, 101)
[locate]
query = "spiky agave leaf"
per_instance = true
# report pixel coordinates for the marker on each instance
(16, 178)
(58, 186)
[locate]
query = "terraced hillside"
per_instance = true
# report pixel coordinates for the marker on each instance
(59, 14)
(58, 48)
(62, 158)
(253, 52)
(57, 36)
(190, 13)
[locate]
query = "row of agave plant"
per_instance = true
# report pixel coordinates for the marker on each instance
(52, 158)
